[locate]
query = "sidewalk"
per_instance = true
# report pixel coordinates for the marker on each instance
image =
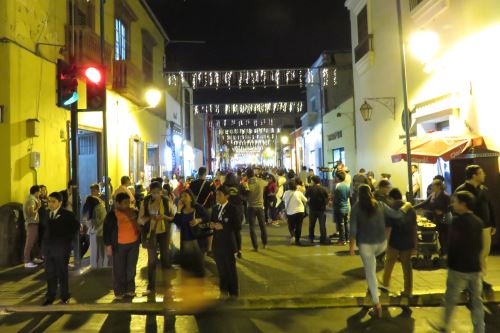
(279, 277)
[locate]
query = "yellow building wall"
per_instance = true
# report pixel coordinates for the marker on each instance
(28, 90)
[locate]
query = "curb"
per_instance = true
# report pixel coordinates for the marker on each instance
(312, 301)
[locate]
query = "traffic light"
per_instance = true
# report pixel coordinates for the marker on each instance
(67, 84)
(96, 88)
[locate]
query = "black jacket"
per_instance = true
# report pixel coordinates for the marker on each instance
(482, 208)
(60, 231)
(225, 240)
(465, 243)
(318, 197)
(110, 229)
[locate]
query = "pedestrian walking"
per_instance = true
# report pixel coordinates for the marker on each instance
(121, 237)
(270, 200)
(402, 242)
(416, 181)
(295, 204)
(94, 213)
(191, 218)
(31, 209)
(317, 200)
(204, 193)
(154, 215)
(236, 198)
(482, 208)
(464, 262)
(368, 233)
(438, 206)
(225, 219)
(255, 202)
(358, 180)
(303, 174)
(341, 207)
(60, 230)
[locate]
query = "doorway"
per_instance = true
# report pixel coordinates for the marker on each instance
(89, 159)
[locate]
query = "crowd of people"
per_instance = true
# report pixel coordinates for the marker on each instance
(369, 215)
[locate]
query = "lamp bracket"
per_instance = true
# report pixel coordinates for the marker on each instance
(388, 102)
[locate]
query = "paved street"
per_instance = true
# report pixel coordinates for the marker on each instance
(276, 284)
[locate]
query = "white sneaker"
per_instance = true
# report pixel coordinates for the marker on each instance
(30, 265)
(38, 261)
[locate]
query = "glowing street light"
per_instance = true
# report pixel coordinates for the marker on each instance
(424, 45)
(284, 139)
(153, 97)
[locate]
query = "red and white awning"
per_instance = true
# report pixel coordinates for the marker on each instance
(429, 147)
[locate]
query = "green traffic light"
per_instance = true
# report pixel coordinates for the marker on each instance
(72, 99)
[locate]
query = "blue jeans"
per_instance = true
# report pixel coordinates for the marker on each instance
(368, 253)
(455, 283)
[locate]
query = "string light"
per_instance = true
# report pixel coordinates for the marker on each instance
(249, 108)
(265, 122)
(253, 78)
(243, 131)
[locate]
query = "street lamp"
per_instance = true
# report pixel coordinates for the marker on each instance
(424, 45)
(284, 140)
(388, 102)
(366, 111)
(153, 97)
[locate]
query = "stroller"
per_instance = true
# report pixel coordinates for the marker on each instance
(427, 245)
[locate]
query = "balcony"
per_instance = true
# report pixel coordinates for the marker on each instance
(127, 81)
(88, 48)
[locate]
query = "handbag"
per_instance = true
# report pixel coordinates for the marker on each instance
(201, 230)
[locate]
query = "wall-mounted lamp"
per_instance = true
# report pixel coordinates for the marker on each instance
(389, 103)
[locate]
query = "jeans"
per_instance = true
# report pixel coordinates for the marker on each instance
(391, 256)
(486, 249)
(341, 220)
(162, 242)
(295, 225)
(321, 217)
(258, 212)
(455, 283)
(443, 237)
(125, 258)
(98, 257)
(368, 253)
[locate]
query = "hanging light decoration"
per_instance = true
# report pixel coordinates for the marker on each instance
(254, 78)
(250, 123)
(249, 108)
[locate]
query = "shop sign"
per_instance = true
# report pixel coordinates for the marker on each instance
(335, 136)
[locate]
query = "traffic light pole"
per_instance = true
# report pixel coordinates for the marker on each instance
(74, 177)
(104, 116)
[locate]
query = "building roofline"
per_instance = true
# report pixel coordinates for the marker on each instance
(155, 19)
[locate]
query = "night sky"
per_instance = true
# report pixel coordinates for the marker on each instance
(251, 34)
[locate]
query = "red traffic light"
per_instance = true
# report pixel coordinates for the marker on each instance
(93, 75)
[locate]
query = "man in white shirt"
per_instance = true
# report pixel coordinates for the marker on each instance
(416, 181)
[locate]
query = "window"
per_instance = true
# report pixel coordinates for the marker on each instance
(148, 44)
(84, 12)
(120, 40)
(364, 38)
(187, 115)
(338, 155)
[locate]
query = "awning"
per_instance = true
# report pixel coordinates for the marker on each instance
(429, 147)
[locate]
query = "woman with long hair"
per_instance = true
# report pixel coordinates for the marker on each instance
(368, 232)
(270, 200)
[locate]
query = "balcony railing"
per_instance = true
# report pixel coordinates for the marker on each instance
(364, 46)
(127, 80)
(88, 48)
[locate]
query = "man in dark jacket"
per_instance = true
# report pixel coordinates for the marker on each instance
(121, 235)
(225, 219)
(318, 199)
(60, 229)
(464, 262)
(402, 241)
(482, 208)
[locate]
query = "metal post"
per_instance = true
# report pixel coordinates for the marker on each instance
(205, 141)
(104, 116)
(406, 111)
(74, 175)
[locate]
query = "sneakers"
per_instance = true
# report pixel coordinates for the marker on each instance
(292, 240)
(38, 261)
(30, 265)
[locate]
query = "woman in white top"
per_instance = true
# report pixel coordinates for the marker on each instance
(295, 203)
